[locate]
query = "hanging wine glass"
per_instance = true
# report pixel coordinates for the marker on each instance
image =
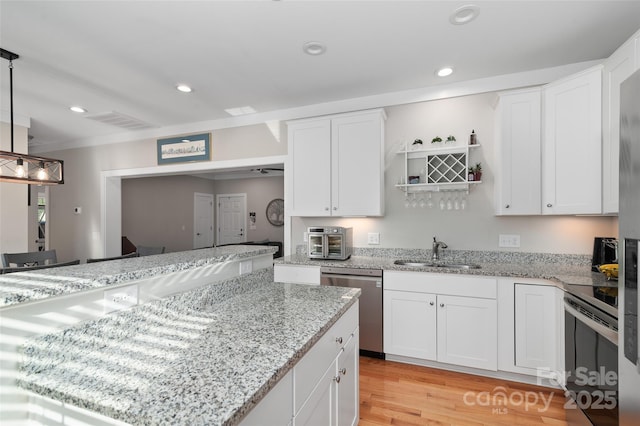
(441, 203)
(429, 200)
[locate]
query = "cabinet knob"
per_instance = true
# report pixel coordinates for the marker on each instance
(549, 205)
(431, 303)
(326, 209)
(339, 340)
(343, 371)
(507, 206)
(442, 305)
(335, 208)
(337, 379)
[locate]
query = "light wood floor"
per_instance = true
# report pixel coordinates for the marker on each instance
(393, 393)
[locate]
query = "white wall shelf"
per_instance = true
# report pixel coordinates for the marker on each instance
(440, 168)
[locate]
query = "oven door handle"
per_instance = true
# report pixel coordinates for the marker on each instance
(605, 332)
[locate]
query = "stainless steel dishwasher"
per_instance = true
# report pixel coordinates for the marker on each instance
(370, 282)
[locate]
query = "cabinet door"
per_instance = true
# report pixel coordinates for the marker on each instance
(518, 180)
(347, 401)
(617, 68)
(535, 326)
(309, 165)
(410, 324)
(572, 158)
(468, 332)
(319, 409)
(358, 164)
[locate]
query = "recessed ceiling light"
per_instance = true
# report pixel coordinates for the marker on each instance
(183, 88)
(445, 71)
(243, 110)
(314, 48)
(464, 14)
(77, 109)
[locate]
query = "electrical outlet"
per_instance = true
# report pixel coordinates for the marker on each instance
(120, 298)
(373, 238)
(305, 237)
(246, 266)
(509, 240)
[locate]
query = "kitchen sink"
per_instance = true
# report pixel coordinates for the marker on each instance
(420, 263)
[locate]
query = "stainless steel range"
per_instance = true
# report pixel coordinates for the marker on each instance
(591, 351)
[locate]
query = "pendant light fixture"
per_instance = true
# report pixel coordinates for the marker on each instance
(23, 168)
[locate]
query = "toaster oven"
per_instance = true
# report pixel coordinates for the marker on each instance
(329, 242)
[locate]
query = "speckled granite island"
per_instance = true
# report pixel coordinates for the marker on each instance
(206, 356)
(44, 301)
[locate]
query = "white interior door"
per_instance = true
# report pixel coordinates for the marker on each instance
(232, 226)
(202, 220)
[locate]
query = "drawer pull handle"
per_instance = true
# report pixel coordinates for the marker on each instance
(337, 379)
(339, 340)
(343, 371)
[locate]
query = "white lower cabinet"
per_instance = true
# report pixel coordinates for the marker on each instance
(325, 381)
(531, 327)
(297, 274)
(322, 389)
(444, 318)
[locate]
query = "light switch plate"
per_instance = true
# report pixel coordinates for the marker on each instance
(373, 238)
(120, 298)
(509, 240)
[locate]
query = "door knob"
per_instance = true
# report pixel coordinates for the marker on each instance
(431, 303)
(507, 206)
(549, 205)
(442, 305)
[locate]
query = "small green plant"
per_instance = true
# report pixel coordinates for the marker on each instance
(417, 142)
(478, 168)
(451, 138)
(436, 139)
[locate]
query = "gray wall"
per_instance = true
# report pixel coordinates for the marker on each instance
(158, 211)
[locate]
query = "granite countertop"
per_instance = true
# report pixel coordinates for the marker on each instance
(22, 287)
(206, 356)
(558, 268)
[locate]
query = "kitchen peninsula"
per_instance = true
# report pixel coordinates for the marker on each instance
(202, 357)
(203, 316)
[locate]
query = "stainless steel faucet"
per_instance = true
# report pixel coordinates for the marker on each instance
(435, 251)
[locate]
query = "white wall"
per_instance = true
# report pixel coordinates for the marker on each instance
(14, 214)
(79, 236)
(476, 227)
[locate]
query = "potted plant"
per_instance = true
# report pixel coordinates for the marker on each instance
(417, 144)
(477, 172)
(451, 138)
(436, 139)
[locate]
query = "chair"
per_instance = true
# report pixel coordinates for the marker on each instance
(104, 259)
(31, 258)
(147, 251)
(9, 270)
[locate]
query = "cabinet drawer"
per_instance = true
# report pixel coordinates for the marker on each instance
(310, 369)
(299, 274)
(448, 284)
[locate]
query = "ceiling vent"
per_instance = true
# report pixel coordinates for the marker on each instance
(118, 119)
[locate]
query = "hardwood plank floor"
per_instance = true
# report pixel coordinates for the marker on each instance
(393, 393)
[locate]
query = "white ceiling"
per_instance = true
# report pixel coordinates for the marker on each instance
(128, 56)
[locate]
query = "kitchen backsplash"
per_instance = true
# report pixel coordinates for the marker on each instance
(469, 256)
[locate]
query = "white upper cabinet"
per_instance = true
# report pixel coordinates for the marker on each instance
(309, 168)
(617, 68)
(572, 144)
(336, 165)
(518, 153)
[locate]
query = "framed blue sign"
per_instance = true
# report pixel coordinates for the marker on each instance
(184, 149)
